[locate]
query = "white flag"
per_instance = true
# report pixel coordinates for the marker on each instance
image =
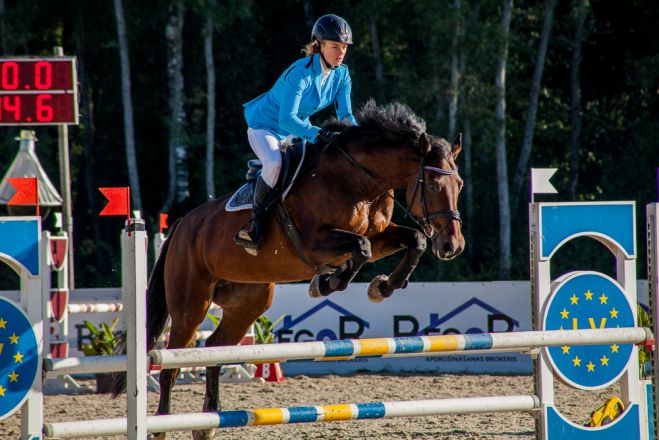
(540, 183)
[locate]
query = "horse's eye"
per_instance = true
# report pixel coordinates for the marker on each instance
(433, 186)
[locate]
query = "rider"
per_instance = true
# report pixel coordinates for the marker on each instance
(307, 86)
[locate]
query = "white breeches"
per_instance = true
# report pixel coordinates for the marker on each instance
(266, 146)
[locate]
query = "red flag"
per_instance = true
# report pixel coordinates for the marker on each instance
(26, 191)
(163, 221)
(118, 201)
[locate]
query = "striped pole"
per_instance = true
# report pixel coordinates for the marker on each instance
(299, 414)
(95, 308)
(388, 347)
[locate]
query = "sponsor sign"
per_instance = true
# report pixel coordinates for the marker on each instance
(421, 309)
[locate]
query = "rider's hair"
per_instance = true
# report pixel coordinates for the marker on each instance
(311, 48)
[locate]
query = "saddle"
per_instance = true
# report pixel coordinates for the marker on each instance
(293, 159)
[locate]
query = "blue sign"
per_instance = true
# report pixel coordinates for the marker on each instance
(614, 221)
(20, 242)
(19, 357)
(587, 300)
(626, 426)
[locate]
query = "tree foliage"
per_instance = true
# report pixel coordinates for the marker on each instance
(255, 40)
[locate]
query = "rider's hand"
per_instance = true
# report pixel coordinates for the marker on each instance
(327, 136)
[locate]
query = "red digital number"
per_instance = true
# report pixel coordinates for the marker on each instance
(10, 75)
(44, 108)
(13, 104)
(43, 75)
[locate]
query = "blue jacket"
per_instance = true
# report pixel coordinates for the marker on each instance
(297, 95)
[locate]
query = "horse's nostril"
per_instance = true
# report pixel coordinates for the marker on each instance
(447, 247)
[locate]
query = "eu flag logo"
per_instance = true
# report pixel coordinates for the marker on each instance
(589, 300)
(19, 357)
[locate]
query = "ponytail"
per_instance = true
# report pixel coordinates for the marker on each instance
(311, 48)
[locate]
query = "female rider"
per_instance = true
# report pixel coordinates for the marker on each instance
(307, 86)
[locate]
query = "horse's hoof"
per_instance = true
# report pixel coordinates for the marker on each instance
(203, 435)
(158, 436)
(314, 287)
(374, 292)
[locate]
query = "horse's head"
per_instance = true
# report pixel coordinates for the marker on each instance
(432, 196)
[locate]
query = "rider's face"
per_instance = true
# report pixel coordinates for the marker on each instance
(334, 52)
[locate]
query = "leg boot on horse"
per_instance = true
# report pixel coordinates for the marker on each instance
(252, 232)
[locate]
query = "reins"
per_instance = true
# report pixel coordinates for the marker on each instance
(424, 224)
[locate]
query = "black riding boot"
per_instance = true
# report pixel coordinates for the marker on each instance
(249, 236)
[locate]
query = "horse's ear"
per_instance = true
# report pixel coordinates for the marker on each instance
(456, 146)
(424, 145)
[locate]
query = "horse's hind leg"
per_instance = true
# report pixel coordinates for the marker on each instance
(187, 314)
(241, 305)
(178, 338)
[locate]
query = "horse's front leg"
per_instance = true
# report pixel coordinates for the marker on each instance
(390, 241)
(331, 245)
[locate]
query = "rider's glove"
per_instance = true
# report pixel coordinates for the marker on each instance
(327, 136)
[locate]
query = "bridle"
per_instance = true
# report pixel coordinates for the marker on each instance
(424, 223)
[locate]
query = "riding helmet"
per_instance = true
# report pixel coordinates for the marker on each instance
(332, 27)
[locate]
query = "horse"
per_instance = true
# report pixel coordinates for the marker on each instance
(341, 204)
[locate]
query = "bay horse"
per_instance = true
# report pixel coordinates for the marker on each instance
(341, 204)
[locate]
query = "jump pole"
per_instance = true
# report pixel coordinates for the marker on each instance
(354, 348)
(303, 414)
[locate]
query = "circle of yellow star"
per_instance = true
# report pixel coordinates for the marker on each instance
(614, 313)
(574, 299)
(576, 361)
(614, 348)
(14, 339)
(566, 349)
(564, 313)
(589, 295)
(603, 299)
(591, 367)
(13, 377)
(18, 357)
(3, 323)
(604, 360)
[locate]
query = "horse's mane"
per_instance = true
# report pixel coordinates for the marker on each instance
(393, 121)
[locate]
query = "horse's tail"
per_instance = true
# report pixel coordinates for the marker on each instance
(156, 310)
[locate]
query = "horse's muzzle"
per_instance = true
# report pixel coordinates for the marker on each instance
(447, 246)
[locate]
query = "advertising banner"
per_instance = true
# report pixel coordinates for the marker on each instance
(421, 309)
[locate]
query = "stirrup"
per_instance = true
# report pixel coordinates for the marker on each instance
(244, 240)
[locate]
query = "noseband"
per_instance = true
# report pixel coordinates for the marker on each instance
(424, 223)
